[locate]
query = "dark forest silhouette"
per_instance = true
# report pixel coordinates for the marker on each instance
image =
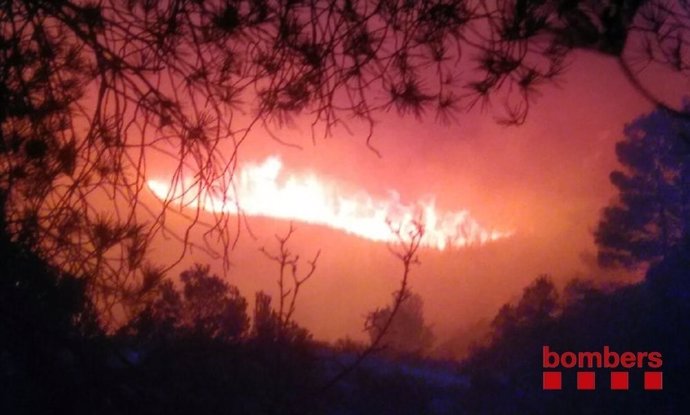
(194, 348)
(90, 93)
(652, 213)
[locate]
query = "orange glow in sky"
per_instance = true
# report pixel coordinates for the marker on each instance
(265, 189)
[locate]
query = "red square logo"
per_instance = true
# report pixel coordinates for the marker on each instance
(552, 381)
(619, 381)
(653, 381)
(585, 381)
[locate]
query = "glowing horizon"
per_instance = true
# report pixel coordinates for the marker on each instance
(256, 188)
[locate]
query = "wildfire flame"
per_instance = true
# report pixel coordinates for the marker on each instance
(262, 189)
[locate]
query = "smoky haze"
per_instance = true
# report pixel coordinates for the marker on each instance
(545, 180)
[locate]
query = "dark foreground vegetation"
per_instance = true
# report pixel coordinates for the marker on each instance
(90, 90)
(182, 355)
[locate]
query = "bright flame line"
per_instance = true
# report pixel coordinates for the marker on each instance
(261, 190)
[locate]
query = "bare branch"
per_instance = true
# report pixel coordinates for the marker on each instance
(406, 251)
(288, 264)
